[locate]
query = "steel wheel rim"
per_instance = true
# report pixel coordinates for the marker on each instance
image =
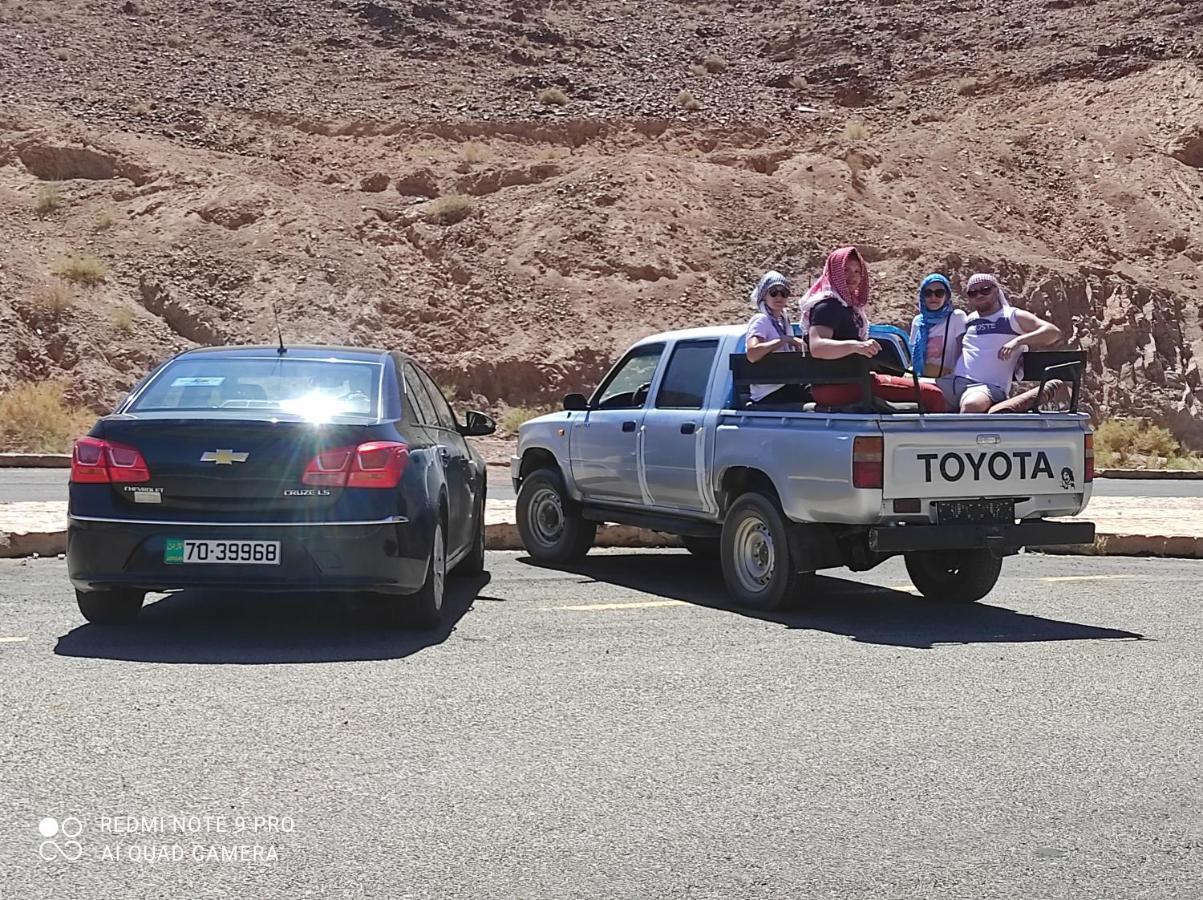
(438, 564)
(755, 554)
(545, 516)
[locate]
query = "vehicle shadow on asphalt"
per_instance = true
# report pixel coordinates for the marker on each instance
(864, 612)
(262, 629)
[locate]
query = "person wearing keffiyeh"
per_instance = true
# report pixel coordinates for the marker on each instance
(835, 320)
(769, 331)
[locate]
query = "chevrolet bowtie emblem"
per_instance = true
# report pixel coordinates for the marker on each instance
(223, 457)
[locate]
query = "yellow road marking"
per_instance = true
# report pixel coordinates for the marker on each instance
(1085, 577)
(590, 607)
(12, 640)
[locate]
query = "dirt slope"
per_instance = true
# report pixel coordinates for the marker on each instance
(303, 154)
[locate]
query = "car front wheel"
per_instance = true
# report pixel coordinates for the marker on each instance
(110, 607)
(549, 523)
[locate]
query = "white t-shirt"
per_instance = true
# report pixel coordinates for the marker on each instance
(955, 325)
(984, 337)
(762, 326)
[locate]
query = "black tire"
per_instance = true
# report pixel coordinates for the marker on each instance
(704, 548)
(474, 562)
(549, 523)
(110, 607)
(953, 576)
(423, 609)
(757, 565)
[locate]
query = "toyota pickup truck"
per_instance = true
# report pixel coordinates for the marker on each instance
(669, 441)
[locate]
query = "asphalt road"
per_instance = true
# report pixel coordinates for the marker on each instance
(51, 484)
(613, 731)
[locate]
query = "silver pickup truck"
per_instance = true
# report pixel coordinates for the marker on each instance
(669, 441)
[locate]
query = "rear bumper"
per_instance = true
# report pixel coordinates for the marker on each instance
(1005, 539)
(389, 557)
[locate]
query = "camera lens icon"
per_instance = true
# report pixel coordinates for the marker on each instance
(60, 837)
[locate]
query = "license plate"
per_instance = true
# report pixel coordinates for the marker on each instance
(950, 512)
(256, 553)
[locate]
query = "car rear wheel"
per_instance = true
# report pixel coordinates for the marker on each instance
(110, 607)
(953, 576)
(474, 562)
(757, 566)
(423, 609)
(551, 528)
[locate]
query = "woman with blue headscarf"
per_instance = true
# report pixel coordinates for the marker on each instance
(936, 334)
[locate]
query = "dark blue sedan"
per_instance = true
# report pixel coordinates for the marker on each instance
(269, 469)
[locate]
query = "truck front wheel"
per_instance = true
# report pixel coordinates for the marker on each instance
(551, 527)
(953, 576)
(757, 566)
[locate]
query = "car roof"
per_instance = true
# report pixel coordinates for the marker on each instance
(303, 351)
(687, 334)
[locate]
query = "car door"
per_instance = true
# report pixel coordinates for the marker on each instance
(673, 446)
(603, 443)
(457, 464)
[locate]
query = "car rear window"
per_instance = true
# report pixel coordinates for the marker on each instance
(310, 388)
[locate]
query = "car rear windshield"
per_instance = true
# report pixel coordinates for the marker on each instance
(314, 389)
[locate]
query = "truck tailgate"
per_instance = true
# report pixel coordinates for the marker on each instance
(1020, 455)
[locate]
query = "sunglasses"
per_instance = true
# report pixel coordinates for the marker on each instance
(935, 292)
(978, 291)
(778, 292)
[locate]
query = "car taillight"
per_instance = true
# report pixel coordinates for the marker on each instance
(95, 461)
(375, 464)
(867, 456)
(1088, 473)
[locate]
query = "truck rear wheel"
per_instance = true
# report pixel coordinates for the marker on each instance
(551, 527)
(755, 554)
(953, 576)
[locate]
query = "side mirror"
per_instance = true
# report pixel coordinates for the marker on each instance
(478, 425)
(576, 403)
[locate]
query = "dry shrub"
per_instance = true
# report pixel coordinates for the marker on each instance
(35, 419)
(48, 200)
(697, 69)
(105, 220)
(856, 131)
(516, 415)
(1124, 443)
(123, 320)
(450, 209)
(686, 100)
(474, 152)
(83, 268)
(714, 64)
(966, 86)
(142, 108)
(798, 82)
(53, 300)
(553, 97)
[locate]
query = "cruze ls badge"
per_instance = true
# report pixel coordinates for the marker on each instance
(223, 457)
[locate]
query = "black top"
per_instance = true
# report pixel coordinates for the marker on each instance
(842, 320)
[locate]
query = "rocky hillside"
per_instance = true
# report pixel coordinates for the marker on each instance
(514, 190)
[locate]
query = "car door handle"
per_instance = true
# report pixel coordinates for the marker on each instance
(689, 427)
(444, 454)
(629, 425)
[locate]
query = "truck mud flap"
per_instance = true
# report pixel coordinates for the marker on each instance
(1003, 540)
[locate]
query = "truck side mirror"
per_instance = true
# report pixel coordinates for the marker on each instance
(576, 403)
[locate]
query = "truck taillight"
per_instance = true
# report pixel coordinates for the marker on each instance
(867, 465)
(95, 461)
(1088, 473)
(375, 464)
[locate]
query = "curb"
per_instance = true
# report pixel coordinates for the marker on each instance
(1152, 474)
(504, 536)
(35, 460)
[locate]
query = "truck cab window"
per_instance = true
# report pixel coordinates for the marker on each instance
(688, 373)
(628, 386)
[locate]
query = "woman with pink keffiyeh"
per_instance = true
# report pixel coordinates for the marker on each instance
(835, 322)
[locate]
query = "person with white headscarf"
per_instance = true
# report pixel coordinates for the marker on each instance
(996, 336)
(769, 331)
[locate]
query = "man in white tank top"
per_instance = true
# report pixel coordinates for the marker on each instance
(997, 335)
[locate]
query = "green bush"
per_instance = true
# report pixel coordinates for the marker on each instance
(1138, 443)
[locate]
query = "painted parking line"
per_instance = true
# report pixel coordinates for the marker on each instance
(1084, 577)
(597, 607)
(12, 640)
